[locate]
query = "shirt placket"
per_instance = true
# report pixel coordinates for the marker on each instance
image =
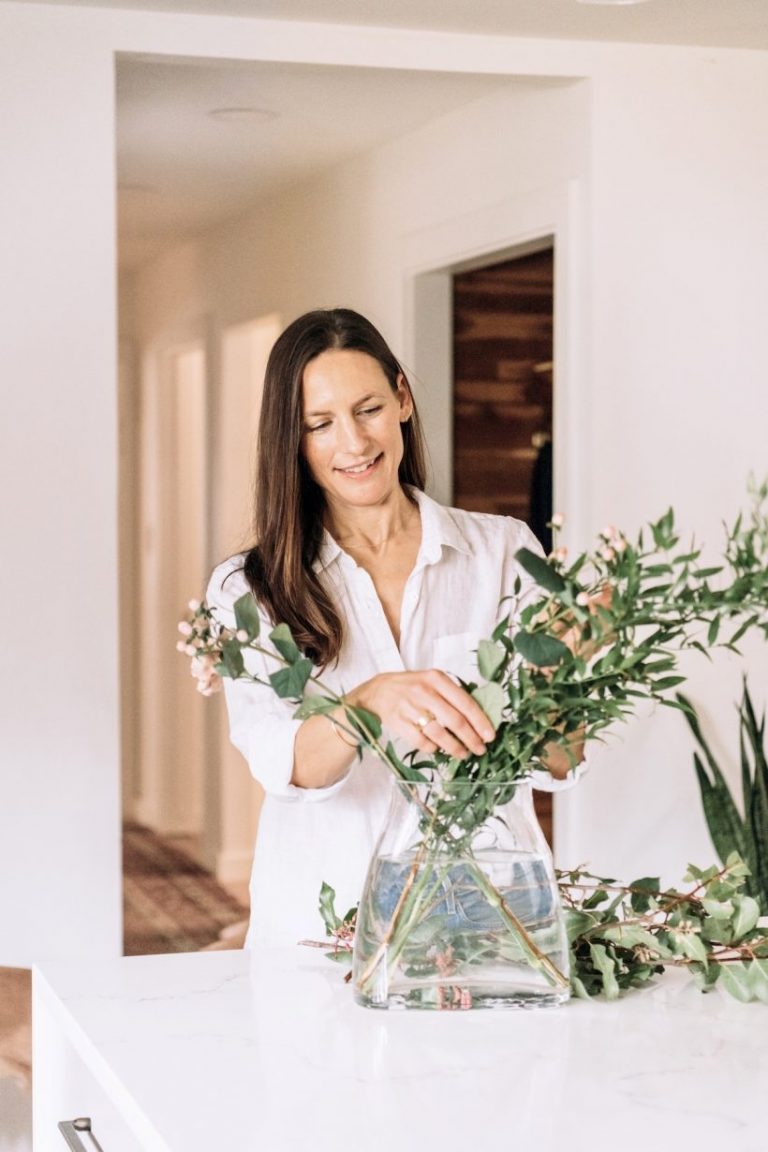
(381, 642)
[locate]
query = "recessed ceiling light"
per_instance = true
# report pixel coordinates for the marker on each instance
(243, 115)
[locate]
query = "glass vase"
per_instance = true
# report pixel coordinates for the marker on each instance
(461, 907)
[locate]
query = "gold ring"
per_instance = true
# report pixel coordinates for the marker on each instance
(423, 720)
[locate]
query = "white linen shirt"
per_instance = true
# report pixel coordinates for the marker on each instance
(464, 568)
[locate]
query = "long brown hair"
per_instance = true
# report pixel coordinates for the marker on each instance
(288, 504)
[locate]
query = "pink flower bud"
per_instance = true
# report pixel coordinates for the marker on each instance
(190, 650)
(194, 605)
(185, 628)
(559, 554)
(181, 646)
(582, 600)
(242, 636)
(557, 520)
(608, 554)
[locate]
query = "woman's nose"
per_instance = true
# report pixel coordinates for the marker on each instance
(351, 436)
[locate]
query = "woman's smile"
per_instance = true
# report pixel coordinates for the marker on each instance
(358, 471)
(353, 439)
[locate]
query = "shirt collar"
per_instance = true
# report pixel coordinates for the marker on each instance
(438, 530)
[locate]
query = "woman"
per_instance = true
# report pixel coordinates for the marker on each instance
(385, 589)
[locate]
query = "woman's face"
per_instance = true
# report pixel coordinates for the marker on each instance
(352, 440)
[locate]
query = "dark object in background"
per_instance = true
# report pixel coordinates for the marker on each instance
(541, 496)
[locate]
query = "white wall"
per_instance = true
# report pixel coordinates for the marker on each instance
(677, 393)
(677, 166)
(59, 844)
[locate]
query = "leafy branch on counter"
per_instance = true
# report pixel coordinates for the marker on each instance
(623, 935)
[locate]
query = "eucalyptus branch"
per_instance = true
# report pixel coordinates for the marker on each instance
(586, 645)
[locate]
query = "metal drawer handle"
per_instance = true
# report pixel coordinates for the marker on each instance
(71, 1129)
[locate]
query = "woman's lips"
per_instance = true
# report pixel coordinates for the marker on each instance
(356, 471)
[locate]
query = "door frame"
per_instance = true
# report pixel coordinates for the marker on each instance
(553, 216)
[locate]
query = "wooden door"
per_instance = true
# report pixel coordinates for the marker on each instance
(502, 415)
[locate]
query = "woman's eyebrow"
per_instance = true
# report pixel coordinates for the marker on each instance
(323, 412)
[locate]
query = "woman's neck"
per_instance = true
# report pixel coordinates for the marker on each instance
(372, 529)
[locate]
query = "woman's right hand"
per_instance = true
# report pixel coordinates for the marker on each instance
(427, 709)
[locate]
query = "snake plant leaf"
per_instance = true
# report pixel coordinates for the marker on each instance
(725, 825)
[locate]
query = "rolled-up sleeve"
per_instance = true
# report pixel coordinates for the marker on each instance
(261, 725)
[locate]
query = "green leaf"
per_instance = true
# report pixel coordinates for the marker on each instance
(758, 980)
(642, 892)
(539, 649)
(339, 955)
(247, 615)
(664, 683)
(289, 683)
(315, 706)
(577, 922)
(328, 909)
(606, 966)
(285, 644)
(490, 658)
(747, 915)
(490, 697)
(542, 572)
(632, 936)
(735, 978)
(368, 723)
(232, 659)
(689, 944)
(578, 989)
(409, 773)
(718, 909)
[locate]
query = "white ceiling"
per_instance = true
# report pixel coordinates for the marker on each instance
(180, 170)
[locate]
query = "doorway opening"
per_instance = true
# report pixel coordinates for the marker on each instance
(503, 323)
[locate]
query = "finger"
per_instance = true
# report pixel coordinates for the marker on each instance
(448, 742)
(461, 702)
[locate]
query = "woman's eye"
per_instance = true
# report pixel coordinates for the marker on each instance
(318, 427)
(370, 411)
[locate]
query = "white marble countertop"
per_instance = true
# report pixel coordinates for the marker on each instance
(268, 1051)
